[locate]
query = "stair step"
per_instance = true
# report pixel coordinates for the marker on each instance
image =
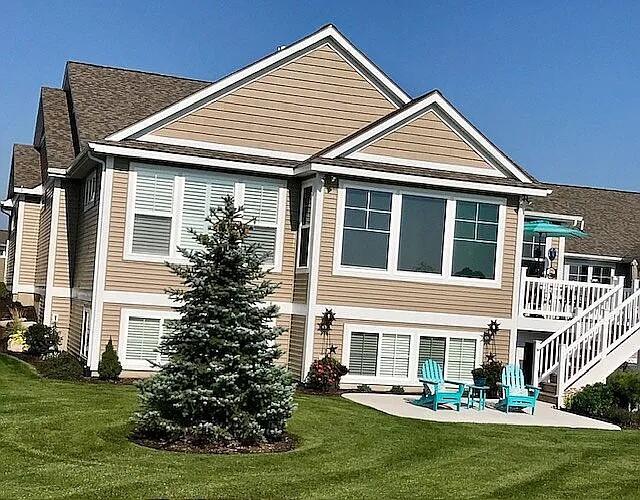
(548, 397)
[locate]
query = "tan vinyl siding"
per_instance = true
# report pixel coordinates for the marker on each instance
(283, 321)
(29, 245)
(61, 275)
(429, 139)
(75, 325)
(61, 307)
(85, 240)
(412, 296)
(301, 107)
(44, 232)
(300, 288)
(296, 345)
(152, 277)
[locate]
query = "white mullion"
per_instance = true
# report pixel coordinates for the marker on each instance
(449, 228)
(394, 232)
(176, 220)
(379, 354)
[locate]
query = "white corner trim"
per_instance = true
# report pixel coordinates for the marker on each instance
(17, 251)
(24, 289)
(38, 190)
(517, 275)
(490, 172)
(214, 146)
(186, 159)
(51, 258)
(360, 140)
(329, 32)
(314, 273)
(100, 265)
(423, 180)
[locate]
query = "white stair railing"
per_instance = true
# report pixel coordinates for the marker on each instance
(595, 344)
(559, 299)
(547, 354)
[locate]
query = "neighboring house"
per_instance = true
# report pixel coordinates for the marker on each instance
(396, 213)
(4, 235)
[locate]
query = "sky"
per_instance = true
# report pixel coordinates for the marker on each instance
(556, 85)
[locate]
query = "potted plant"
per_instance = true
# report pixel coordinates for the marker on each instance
(479, 376)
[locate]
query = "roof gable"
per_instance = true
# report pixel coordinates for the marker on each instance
(430, 133)
(25, 168)
(318, 42)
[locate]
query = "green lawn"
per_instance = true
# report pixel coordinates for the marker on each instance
(62, 439)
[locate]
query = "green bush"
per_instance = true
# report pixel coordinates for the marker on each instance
(364, 388)
(325, 374)
(109, 367)
(493, 373)
(41, 339)
(592, 401)
(397, 389)
(625, 386)
(624, 418)
(63, 366)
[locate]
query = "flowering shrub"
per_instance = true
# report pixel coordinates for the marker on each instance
(325, 374)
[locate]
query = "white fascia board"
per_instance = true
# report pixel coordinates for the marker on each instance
(8, 203)
(424, 180)
(38, 190)
(433, 98)
(587, 256)
(544, 215)
(192, 100)
(144, 154)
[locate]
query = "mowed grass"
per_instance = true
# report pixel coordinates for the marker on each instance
(60, 439)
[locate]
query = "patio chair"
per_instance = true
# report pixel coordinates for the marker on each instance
(434, 392)
(515, 393)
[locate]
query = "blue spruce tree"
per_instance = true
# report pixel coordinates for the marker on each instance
(220, 383)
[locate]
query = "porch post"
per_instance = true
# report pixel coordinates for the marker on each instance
(562, 370)
(523, 283)
(535, 379)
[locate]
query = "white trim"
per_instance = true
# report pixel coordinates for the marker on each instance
(24, 289)
(414, 345)
(214, 146)
(327, 32)
(391, 272)
(51, 171)
(193, 160)
(517, 276)
(422, 180)
(363, 139)
(305, 185)
(51, 258)
(576, 219)
(100, 265)
(38, 190)
(426, 164)
(586, 256)
(561, 257)
(314, 274)
(17, 250)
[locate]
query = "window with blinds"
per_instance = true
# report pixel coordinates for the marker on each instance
(431, 348)
(363, 354)
(261, 211)
(461, 359)
(143, 339)
(153, 212)
(394, 355)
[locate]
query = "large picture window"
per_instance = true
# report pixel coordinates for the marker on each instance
(475, 240)
(367, 220)
(421, 234)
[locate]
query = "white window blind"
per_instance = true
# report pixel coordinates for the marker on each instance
(143, 339)
(461, 359)
(153, 211)
(363, 353)
(431, 348)
(261, 209)
(394, 355)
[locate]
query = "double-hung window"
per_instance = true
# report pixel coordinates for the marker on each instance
(305, 226)
(261, 211)
(144, 333)
(367, 222)
(153, 211)
(475, 240)
(602, 275)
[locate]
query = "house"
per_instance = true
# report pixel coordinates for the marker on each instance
(395, 213)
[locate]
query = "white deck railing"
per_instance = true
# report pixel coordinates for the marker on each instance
(557, 299)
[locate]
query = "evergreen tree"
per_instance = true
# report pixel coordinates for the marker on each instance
(109, 367)
(220, 383)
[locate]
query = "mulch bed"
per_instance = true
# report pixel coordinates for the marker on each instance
(287, 443)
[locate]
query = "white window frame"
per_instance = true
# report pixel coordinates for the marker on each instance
(125, 314)
(305, 185)
(590, 265)
(392, 272)
(176, 214)
(85, 332)
(90, 191)
(414, 349)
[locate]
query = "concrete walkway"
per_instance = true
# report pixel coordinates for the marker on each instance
(545, 416)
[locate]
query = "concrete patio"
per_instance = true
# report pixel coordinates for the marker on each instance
(545, 416)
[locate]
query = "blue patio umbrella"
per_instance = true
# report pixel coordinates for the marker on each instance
(546, 228)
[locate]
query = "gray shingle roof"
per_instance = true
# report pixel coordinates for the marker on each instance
(105, 99)
(610, 218)
(57, 128)
(25, 167)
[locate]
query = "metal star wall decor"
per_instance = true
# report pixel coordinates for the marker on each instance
(328, 317)
(332, 349)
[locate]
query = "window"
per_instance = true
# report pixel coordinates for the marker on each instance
(261, 211)
(461, 359)
(3, 249)
(85, 332)
(431, 348)
(530, 246)
(394, 355)
(589, 273)
(578, 272)
(363, 357)
(475, 240)
(602, 274)
(421, 234)
(90, 191)
(305, 226)
(153, 212)
(143, 338)
(367, 221)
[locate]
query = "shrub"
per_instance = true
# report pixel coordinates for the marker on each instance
(109, 367)
(625, 386)
(624, 418)
(325, 374)
(364, 388)
(41, 339)
(397, 389)
(63, 366)
(592, 401)
(493, 372)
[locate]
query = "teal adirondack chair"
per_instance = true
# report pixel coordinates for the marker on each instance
(515, 393)
(435, 393)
